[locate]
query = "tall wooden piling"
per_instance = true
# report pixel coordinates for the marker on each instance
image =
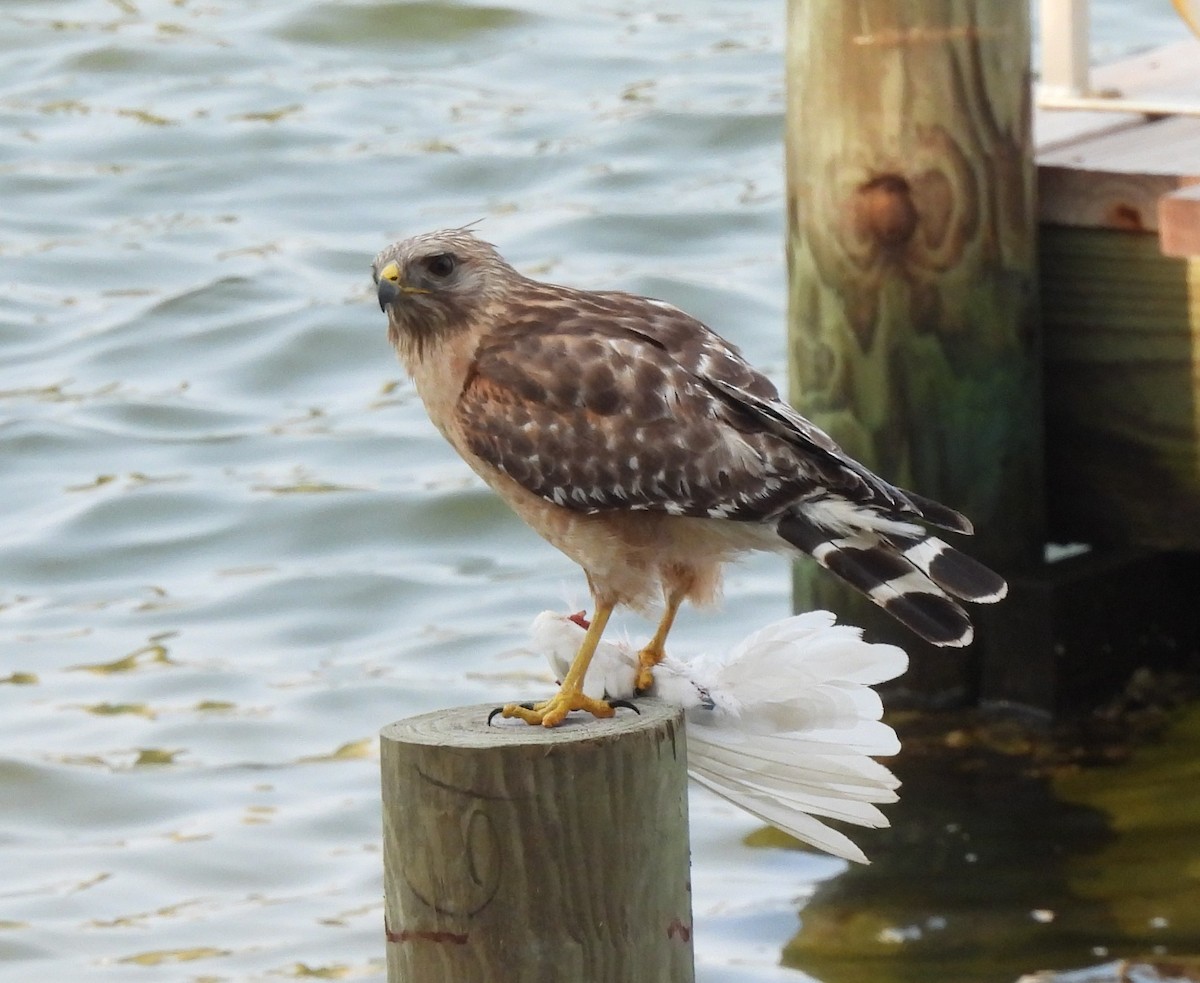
(911, 246)
(517, 854)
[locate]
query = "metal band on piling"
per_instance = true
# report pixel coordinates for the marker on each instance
(518, 854)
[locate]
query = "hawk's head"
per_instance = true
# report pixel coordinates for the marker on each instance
(435, 283)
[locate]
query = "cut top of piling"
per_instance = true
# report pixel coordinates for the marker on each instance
(467, 727)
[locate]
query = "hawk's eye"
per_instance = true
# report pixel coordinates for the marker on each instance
(441, 265)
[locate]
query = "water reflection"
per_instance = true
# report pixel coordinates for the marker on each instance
(1007, 855)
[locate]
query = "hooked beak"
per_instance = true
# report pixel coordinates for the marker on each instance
(387, 293)
(388, 285)
(389, 288)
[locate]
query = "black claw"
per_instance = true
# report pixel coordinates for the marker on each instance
(492, 715)
(615, 704)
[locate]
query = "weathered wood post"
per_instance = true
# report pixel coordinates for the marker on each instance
(911, 244)
(517, 854)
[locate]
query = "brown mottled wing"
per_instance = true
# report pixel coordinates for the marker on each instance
(601, 402)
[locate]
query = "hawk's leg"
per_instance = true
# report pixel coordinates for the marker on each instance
(570, 696)
(655, 649)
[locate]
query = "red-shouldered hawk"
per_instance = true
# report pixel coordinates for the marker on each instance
(642, 445)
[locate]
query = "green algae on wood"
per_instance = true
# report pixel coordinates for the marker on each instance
(911, 246)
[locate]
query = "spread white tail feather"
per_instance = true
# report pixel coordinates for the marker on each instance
(782, 726)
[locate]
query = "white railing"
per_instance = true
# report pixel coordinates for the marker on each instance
(1066, 69)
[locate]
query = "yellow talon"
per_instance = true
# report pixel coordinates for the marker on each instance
(648, 658)
(655, 650)
(570, 696)
(552, 712)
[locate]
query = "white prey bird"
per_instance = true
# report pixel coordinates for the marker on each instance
(783, 726)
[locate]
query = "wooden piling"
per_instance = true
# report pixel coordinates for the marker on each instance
(911, 247)
(518, 854)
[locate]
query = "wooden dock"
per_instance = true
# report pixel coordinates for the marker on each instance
(982, 291)
(1119, 287)
(1119, 213)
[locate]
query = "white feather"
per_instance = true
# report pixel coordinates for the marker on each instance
(782, 726)
(612, 669)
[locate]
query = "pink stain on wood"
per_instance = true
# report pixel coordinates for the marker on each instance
(442, 938)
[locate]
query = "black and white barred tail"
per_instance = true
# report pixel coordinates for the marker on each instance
(899, 565)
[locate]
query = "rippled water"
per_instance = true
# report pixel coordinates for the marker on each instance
(231, 546)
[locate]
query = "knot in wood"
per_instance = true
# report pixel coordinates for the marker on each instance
(884, 211)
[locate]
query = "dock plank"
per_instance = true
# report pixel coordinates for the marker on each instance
(1179, 222)
(1110, 169)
